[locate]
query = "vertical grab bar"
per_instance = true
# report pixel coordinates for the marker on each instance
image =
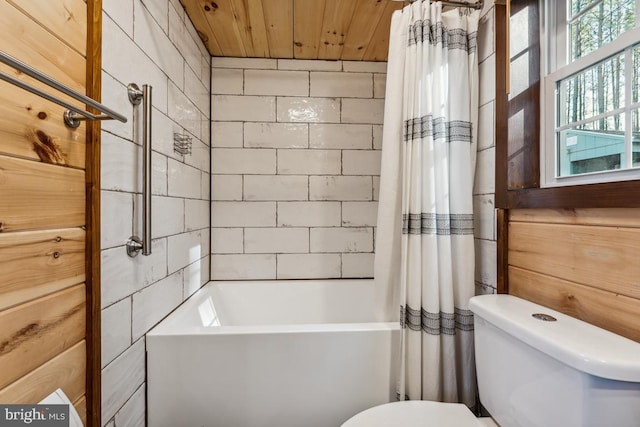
(135, 244)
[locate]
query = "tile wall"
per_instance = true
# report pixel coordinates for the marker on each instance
(150, 42)
(484, 191)
(295, 167)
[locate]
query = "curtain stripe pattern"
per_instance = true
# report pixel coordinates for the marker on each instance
(435, 33)
(424, 244)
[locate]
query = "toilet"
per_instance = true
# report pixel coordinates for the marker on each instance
(536, 367)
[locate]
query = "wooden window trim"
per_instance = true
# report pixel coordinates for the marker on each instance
(523, 190)
(92, 265)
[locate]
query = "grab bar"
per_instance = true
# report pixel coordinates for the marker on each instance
(135, 244)
(73, 115)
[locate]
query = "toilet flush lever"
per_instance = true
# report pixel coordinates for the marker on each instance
(544, 317)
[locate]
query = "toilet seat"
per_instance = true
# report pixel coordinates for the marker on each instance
(415, 413)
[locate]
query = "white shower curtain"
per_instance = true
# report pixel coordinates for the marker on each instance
(424, 246)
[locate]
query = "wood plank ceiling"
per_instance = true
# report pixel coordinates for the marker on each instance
(302, 29)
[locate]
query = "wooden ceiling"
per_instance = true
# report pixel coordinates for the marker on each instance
(301, 29)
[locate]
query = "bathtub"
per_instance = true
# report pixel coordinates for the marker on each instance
(294, 353)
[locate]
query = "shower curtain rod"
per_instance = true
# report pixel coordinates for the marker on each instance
(476, 5)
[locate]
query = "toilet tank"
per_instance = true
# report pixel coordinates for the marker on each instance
(537, 372)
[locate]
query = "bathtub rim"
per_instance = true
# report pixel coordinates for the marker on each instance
(170, 326)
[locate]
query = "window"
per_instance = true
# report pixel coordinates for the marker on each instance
(591, 106)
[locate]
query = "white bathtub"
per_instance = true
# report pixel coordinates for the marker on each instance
(271, 354)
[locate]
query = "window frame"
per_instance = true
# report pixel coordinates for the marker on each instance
(553, 24)
(517, 152)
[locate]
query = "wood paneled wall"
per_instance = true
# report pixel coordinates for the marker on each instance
(582, 262)
(43, 225)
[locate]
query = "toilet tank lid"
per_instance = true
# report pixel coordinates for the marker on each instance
(573, 342)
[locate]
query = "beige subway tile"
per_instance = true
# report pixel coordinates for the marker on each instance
(364, 66)
(341, 239)
(196, 214)
(276, 82)
(340, 188)
(227, 240)
(243, 214)
(308, 214)
(362, 111)
(121, 378)
(309, 65)
(486, 126)
(276, 135)
(265, 187)
(376, 188)
(226, 134)
(377, 137)
(340, 136)
(484, 216)
(309, 162)
(167, 216)
(259, 63)
(486, 261)
(226, 187)
(235, 161)
(379, 85)
(357, 265)
(308, 266)
(243, 108)
(276, 240)
(186, 248)
(116, 330)
(181, 180)
(243, 267)
(226, 81)
(358, 162)
(342, 85)
(486, 37)
(359, 214)
(487, 73)
(154, 302)
(485, 172)
(309, 110)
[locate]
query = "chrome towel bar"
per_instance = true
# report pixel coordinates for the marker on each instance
(74, 114)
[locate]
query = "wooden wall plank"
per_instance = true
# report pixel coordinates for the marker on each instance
(39, 330)
(32, 127)
(65, 19)
(308, 16)
(196, 13)
(278, 18)
(35, 263)
(624, 217)
(363, 25)
(335, 25)
(32, 44)
(220, 16)
(502, 258)
(65, 371)
(81, 408)
(616, 313)
(38, 195)
(378, 47)
(601, 257)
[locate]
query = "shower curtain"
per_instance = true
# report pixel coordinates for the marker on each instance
(424, 246)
